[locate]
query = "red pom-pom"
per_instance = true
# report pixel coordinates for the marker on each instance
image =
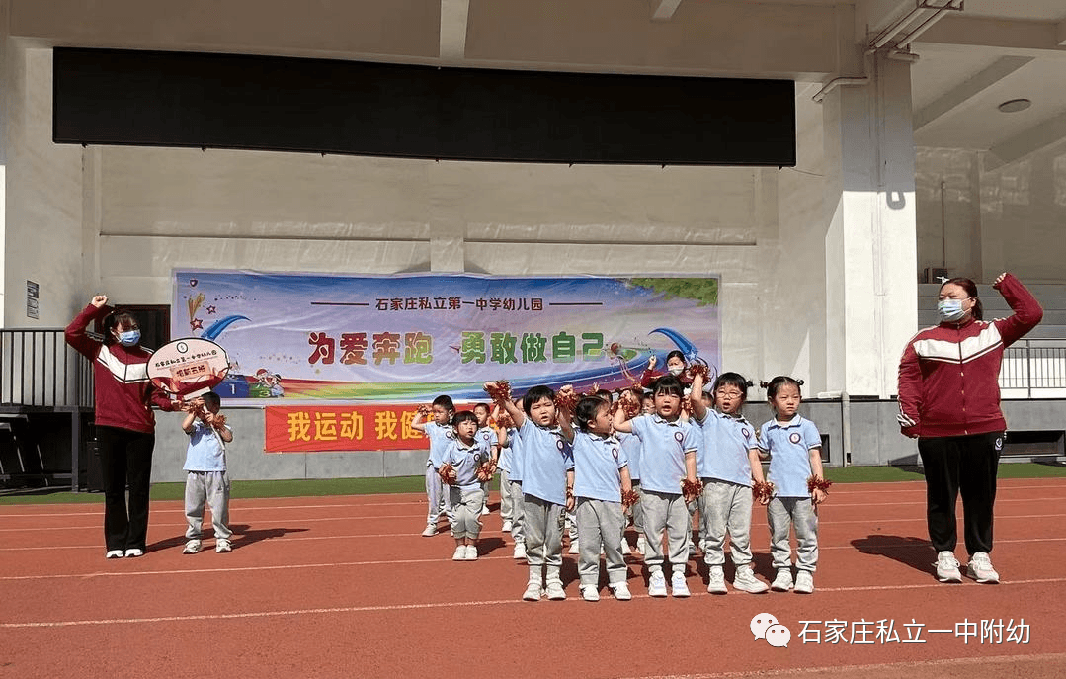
(763, 490)
(504, 420)
(219, 422)
(701, 370)
(499, 391)
(485, 471)
(691, 489)
(423, 410)
(566, 401)
(818, 482)
(447, 474)
(630, 498)
(630, 408)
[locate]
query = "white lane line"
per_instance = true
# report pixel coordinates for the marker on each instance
(835, 670)
(408, 607)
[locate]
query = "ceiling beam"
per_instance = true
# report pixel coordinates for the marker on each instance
(1019, 146)
(663, 10)
(453, 20)
(1031, 38)
(968, 89)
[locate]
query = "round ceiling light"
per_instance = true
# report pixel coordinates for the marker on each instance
(1015, 105)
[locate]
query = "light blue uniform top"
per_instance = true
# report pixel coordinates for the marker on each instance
(515, 458)
(206, 450)
(733, 437)
(790, 446)
(596, 464)
(487, 439)
(547, 458)
(631, 449)
(465, 460)
(440, 437)
(663, 448)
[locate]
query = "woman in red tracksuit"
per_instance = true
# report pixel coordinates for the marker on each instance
(125, 424)
(949, 401)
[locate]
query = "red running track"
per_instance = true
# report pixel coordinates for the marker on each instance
(345, 586)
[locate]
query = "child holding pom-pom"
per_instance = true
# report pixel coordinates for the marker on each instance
(463, 462)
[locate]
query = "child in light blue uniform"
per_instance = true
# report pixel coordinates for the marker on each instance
(796, 447)
(489, 441)
(441, 434)
(668, 457)
(600, 475)
(729, 463)
(464, 454)
(515, 460)
(548, 482)
(207, 481)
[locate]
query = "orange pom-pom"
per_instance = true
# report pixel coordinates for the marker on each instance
(447, 474)
(566, 401)
(504, 421)
(818, 482)
(701, 370)
(763, 490)
(691, 489)
(499, 391)
(630, 498)
(485, 470)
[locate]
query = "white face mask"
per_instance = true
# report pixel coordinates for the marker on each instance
(676, 370)
(950, 310)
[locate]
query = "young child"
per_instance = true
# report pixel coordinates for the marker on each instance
(547, 485)
(729, 463)
(668, 457)
(207, 481)
(796, 449)
(489, 441)
(463, 456)
(440, 435)
(601, 474)
(630, 447)
(515, 462)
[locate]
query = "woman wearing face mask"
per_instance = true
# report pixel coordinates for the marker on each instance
(949, 401)
(125, 425)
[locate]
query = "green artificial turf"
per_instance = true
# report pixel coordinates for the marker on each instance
(417, 484)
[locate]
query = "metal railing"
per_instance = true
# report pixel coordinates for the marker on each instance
(38, 369)
(1034, 368)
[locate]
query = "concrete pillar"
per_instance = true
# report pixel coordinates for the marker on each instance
(871, 243)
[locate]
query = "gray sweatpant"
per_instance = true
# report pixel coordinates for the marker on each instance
(544, 536)
(783, 512)
(666, 512)
(726, 506)
(506, 503)
(467, 507)
(599, 521)
(438, 496)
(212, 489)
(518, 511)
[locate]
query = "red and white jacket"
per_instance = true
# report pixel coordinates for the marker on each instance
(124, 394)
(949, 374)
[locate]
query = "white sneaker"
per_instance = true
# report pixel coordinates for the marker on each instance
(804, 582)
(691, 549)
(532, 592)
(471, 552)
(947, 568)
(657, 584)
(223, 545)
(520, 550)
(114, 554)
(193, 547)
(590, 593)
(430, 531)
(624, 546)
(574, 547)
(980, 569)
(679, 585)
(746, 581)
(507, 526)
(783, 581)
(642, 544)
(716, 581)
(134, 552)
(459, 554)
(484, 510)
(621, 591)
(554, 590)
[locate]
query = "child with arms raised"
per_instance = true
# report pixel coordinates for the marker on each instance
(668, 458)
(600, 476)
(547, 484)
(207, 481)
(729, 462)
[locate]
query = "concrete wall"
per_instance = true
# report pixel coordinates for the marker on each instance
(970, 219)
